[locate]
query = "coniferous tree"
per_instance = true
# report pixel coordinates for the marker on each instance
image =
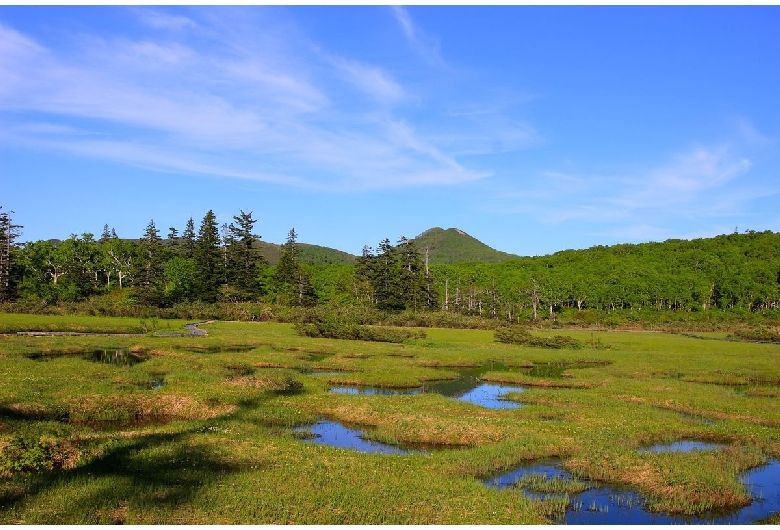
(287, 266)
(292, 279)
(226, 238)
(365, 276)
(209, 264)
(9, 272)
(242, 258)
(188, 239)
(411, 276)
(387, 287)
(173, 239)
(106, 234)
(149, 270)
(396, 276)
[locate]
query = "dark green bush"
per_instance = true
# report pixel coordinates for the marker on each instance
(290, 385)
(518, 335)
(240, 369)
(29, 453)
(335, 326)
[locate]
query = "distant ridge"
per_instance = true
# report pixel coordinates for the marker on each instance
(307, 253)
(456, 246)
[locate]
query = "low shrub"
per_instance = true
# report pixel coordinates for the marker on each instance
(760, 334)
(32, 453)
(290, 385)
(518, 335)
(332, 327)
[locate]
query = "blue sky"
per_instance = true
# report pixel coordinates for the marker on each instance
(534, 129)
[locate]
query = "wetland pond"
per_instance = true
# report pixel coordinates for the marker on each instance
(337, 435)
(467, 387)
(113, 356)
(609, 504)
(683, 446)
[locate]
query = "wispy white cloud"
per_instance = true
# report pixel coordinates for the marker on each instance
(17, 53)
(161, 54)
(372, 80)
(161, 20)
(684, 179)
(230, 104)
(48, 129)
(487, 126)
(750, 134)
(703, 182)
(425, 46)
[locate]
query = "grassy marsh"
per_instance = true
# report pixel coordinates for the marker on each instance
(88, 442)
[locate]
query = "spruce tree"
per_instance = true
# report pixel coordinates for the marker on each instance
(173, 240)
(106, 234)
(149, 269)
(292, 280)
(242, 258)
(387, 285)
(411, 276)
(188, 239)
(8, 270)
(287, 267)
(365, 275)
(210, 271)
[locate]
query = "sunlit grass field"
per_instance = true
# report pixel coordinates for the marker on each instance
(200, 430)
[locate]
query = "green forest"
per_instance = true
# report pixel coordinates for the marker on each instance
(208, 263)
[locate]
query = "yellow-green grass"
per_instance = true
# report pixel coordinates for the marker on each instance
(14, 322)
(215, 443)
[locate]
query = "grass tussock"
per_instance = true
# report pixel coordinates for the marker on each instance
(523, 380)
(285, 384)
(97, 408)
(668, 480)
(356, 332)
(540, 483)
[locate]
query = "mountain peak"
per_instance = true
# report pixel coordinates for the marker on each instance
(453, 245)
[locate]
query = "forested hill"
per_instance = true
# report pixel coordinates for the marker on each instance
(456, 246)
(309, 254)
(735, 270)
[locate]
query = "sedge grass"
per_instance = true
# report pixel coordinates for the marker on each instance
(221, 448)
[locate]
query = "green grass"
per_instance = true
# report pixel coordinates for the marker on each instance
(89, 443)
(540, 483)
(14, 322)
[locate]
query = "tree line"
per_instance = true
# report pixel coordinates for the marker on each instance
(221, 263)
(735, 271)
(739, 271)
(214, 263)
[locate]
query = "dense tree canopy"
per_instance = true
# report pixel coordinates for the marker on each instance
(735, 271)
